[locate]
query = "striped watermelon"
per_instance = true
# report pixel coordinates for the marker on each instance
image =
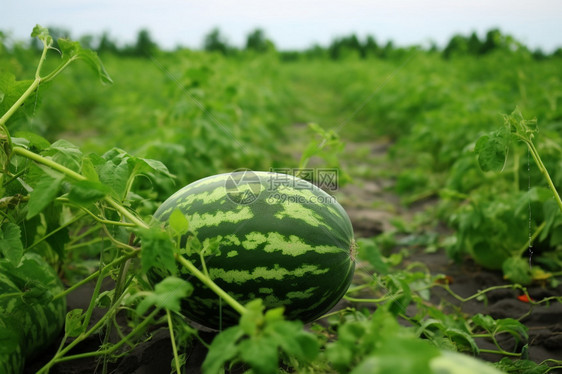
(281, 239)
(30, 319)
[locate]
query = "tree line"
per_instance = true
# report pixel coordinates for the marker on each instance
(340, 48)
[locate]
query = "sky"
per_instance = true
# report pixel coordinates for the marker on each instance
(291, 24)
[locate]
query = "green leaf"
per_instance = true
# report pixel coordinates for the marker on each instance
(57, 237)
(36, 141)
(178, 222)
(210, 246)
(517, 270)
(533, 195)
(274, 314)
(250, 321)
(149, 165)
(484, 321)
(73, 51)
(86, 192)
(293, 340)
(492, 150)
(12, 91)
(261, 354)
(551, 216)
(119, 170)
(89, 170)
(10, 243)
(340, 356)
(309, 345)
(42, 33)
(24, 143)
(368, 250)
(43, 194)
(512, 327)
(66, 154)
(157, 250)
(516, 123)
(521, 366)
(463, 340)
(223, 349)
(104, 299)
(167, 294)
(73, 324)
(117, 177)
(115, 172)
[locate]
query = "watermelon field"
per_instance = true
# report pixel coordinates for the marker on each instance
(349, 208)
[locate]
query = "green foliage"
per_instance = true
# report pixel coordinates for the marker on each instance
(73, 325)
(10, 243)
(157, 250)
(485, 226)
(522, 366)
(492, 150)
(187, 114)
(260, 341)
(43, 194)
(73, 51)
(379, 345)
(167, 295)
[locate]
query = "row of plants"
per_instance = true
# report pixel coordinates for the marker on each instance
(196, 112)
(80, 209)
(483, 139)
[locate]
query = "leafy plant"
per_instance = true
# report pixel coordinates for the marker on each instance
(85, 209)
(485, 225)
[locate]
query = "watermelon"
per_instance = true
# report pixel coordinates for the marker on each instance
(30, 319)
(280, 239)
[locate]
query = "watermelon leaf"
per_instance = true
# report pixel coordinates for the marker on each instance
(86, 192)
(260, 354)
(12, 90)
(42, 33)
(370, 251)
(89, 170)
(35, 140)
(73, 51)
(115, 175)
(157, 250)
(492, 150)
(512, 327)
(43, 194)
(10, 243)
(73, 324)
(178, 222)
(521, 366)
(167, 294)
(65, 153)
(223, 349)
(517, 270)
(258, 339)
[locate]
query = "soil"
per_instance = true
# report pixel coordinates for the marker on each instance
(371, 208)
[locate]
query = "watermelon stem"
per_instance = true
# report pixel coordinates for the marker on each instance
(203, 264)
(173, 341)
(212, 285)
(74, 175)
